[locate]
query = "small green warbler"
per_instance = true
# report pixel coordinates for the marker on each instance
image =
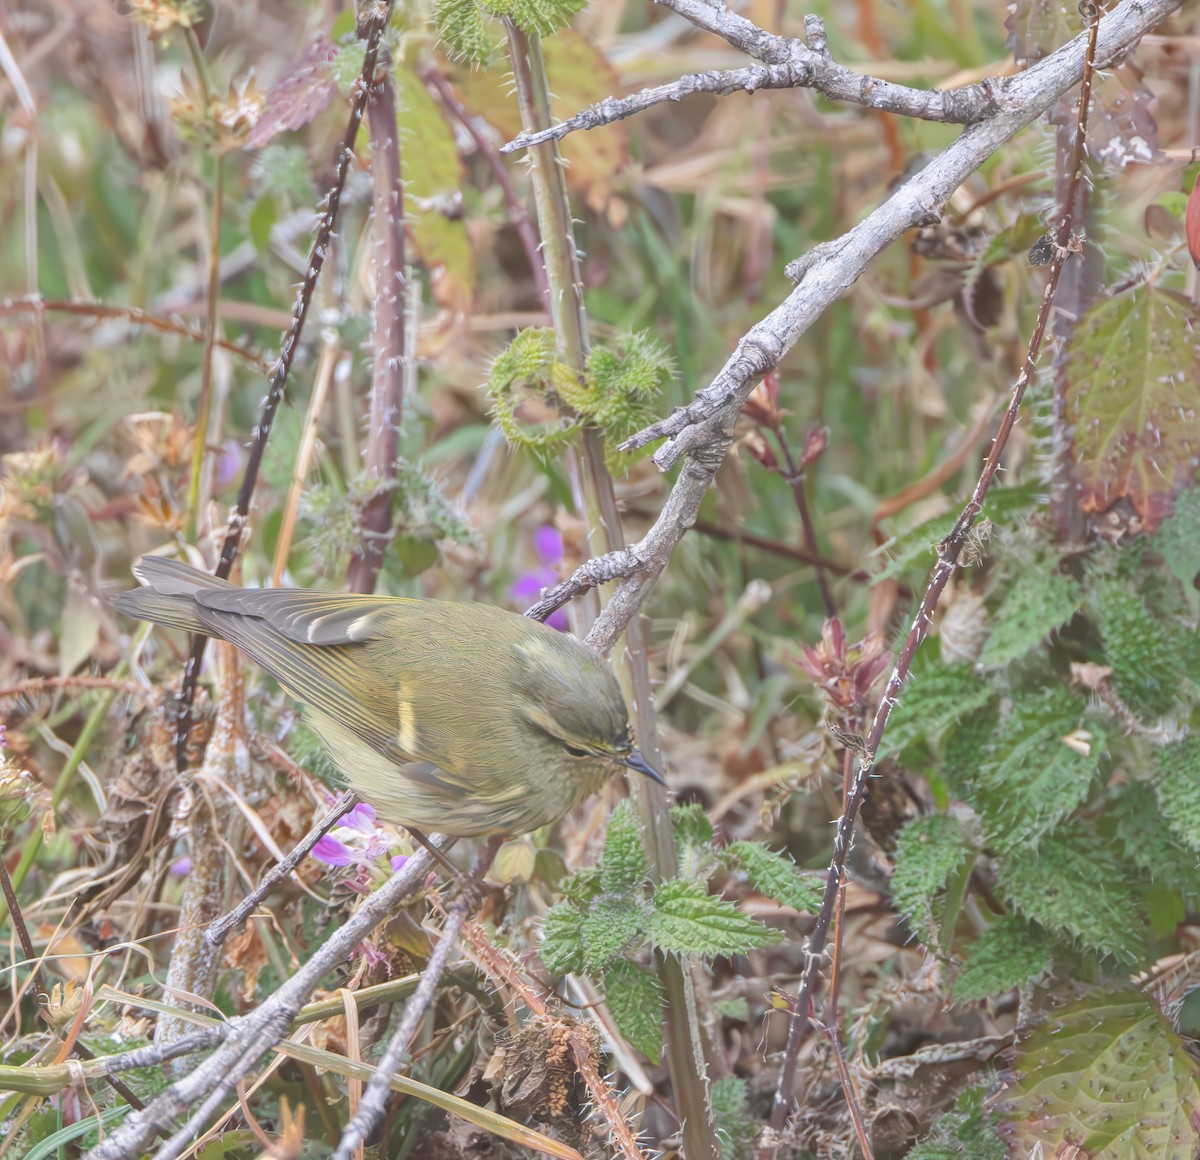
(459, 718)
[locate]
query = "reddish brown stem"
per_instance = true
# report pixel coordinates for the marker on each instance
(372, 32)
(387, 384)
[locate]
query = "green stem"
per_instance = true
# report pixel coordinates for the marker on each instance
(685, 1057)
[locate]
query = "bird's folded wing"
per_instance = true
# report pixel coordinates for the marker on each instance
(320, 618)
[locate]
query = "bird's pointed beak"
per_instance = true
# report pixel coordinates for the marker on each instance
(636, 761)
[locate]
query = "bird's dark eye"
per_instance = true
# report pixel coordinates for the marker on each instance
(574, 752)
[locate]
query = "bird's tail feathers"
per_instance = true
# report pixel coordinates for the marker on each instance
(168, 592)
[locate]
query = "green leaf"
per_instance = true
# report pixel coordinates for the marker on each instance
(693, 841)
(415, 554)
(930, 853)
(543, 17)
(777, 877)
(1178, 542)
(634, 998)
(968, 1132)
(51, 1144)
(528, 371)
(610, 925)
(1107, 1077)
(1004, 956)
(623, 862)
(1133, 393)
(1178, 789)
(264, 213)
(931, 701)
(1037, 768)
(736, 1124)
(1070, 883)
(562, 939)
(1161, 854)
(962, 744)
(1147, 664)
(691, 825)
(687, 920)
(462, 28)
(581, 887)
(1039, 602)
(433, 181)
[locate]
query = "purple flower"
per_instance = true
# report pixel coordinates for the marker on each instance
(181, 866)
(332, 852)
(527, 589)
(547, 542)
(361, 818)
(398, 860)
(229, 463)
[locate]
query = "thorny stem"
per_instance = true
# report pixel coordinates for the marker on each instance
(947, 563)
(433, 79)
(371, 30)
(390, 334)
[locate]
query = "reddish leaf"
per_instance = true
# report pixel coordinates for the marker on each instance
(298, 95)
(1133, 399)
(1191, 221)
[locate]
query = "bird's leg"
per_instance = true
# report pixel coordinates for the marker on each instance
(418, 836)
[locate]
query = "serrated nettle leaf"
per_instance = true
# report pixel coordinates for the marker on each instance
(930, 852)
(932, 700)
(969, 1132)
(686, 920)
(1005, 955)
(562, 939)
(1070, 883)
(1037, 768)
(623, 862)
(634, 997)
(1177, 788)
(463, 30)
(1132, 398)
(693, 842)
(581, 887)
(612, 922)
(737, 1127)
(1147, 663)
(1178, 542)
(777, 877)
(1039, 602)
(1108, 1075)
(1159, 851)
